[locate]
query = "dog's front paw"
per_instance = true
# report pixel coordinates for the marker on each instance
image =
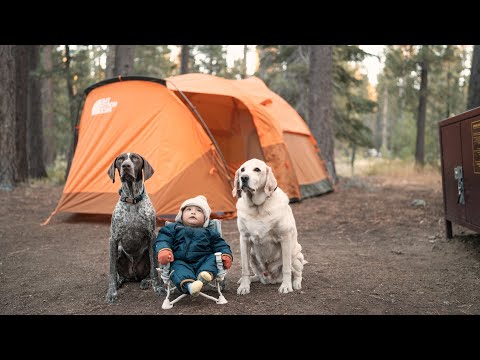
(111, 296)
(242, 290)
(158, 289)
(285, 288)
(297, 284)
(244, 287)
(120, 282)
(145, 284)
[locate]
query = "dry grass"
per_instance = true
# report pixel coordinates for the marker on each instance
(394, 169)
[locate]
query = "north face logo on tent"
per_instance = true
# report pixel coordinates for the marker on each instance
(103, 106)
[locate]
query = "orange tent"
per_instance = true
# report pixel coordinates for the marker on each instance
(249, 120)
(140, 114)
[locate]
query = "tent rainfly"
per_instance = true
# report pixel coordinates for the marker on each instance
(248, 120)
(195, 130)
(140, 114)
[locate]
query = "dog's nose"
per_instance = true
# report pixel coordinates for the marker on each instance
(245, 178)
(125, 165)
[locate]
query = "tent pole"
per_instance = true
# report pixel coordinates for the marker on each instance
(204, 126)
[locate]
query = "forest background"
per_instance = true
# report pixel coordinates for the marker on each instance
(396, 118)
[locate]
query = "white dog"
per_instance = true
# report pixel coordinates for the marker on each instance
(268, 234)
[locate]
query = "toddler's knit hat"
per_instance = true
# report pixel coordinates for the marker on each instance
(201, 202)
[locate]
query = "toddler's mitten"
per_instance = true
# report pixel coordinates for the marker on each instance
(165, 256)
(227, 261)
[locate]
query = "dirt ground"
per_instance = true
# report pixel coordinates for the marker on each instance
(369, 251)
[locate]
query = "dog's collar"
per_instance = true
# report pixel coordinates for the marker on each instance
(132, 200)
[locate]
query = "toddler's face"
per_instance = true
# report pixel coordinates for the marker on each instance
(193, 216)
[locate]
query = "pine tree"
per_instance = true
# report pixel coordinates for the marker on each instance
(21, 106)
(7, 117)
(36, 166)
(474, 86)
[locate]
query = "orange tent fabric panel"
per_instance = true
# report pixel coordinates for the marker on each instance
(142, 115)
(308, 166)
(268, 132)
(200, 178)
(232, 126)
(283, 112)
(146, 118)
(302, 146)
(229, 107)
(242, 128)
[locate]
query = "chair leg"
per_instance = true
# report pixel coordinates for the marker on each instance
(221, 298)
(167, 304)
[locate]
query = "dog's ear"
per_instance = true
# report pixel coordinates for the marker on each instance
(147, 169)
(270, 183)
(111, 170)
(237, 191)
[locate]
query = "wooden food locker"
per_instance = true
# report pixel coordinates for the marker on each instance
(460, 156)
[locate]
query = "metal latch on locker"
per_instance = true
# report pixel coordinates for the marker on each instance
(458, 173)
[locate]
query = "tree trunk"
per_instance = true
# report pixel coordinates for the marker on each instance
(21, 105)
(50, 148)
(110, 71)
(401, 110)
(210, 65)
(184, 59)
(36, 166)
(352, 158)
(244, 65)
(7, 117)
(449, 78)
(262, 70)
(320, 113)
(68, 77)
(474, 84)
(384, 148)
(124, 56)
(422, 112)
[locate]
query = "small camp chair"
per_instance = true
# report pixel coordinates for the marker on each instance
(218, 282)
